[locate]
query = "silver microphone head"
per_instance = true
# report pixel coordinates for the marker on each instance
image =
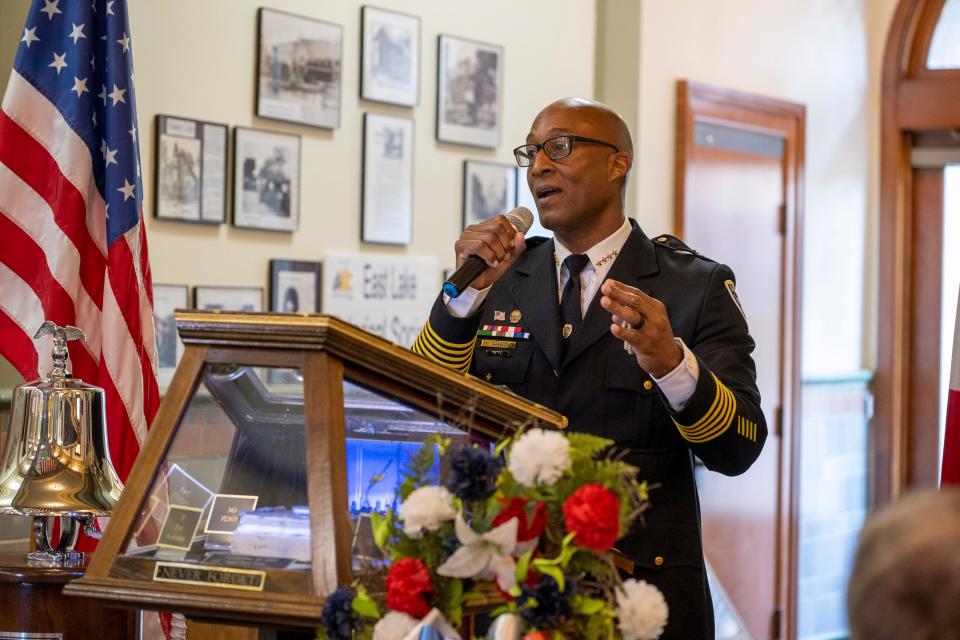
(520, 218)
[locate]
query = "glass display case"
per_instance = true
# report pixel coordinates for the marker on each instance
(277, 439)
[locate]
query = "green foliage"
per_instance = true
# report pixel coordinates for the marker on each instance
(382, 526)
(364, 605)
(419, 471)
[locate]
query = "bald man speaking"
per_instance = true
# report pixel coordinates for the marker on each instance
(637, 340)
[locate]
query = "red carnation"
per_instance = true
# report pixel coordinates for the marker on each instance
(536, 635)
(593, 514)
(407, 582)
(516, 509)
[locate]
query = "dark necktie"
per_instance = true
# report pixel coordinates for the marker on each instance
(570, 313)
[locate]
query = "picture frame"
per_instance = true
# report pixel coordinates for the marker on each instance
(228, 298)
(295, 286)
(167, 298)
(489, 189)
(526, 199)
(387, 183)
(298, 69)
(389, 57)
(266, 179)
(469, 91)
(190, 170)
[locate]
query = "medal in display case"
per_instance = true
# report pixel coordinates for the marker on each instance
(278, 438)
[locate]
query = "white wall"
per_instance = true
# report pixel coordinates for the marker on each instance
(196, 59)
(822, 53)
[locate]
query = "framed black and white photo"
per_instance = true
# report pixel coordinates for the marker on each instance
(489, 189)
(191, 171)
(387, 207)
(298, 75)
(525, 199)
(228, 298)
(469, 87)
(166, 298)
(294, 286)
(389, 57)
(266, 179)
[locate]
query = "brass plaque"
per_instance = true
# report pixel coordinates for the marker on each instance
(225, 512)
(220, 577)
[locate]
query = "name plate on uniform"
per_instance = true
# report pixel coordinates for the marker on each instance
(208, 576)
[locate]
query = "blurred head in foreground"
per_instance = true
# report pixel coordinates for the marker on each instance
(906, 577)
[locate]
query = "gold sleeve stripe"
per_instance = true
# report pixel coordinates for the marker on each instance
(443, 343)
(716, 420)
(428, 345)
(428, 350)
(747, 428)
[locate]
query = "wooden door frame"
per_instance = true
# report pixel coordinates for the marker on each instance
(785, 120)
(914, 100)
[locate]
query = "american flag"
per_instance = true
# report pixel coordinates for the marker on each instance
(950, 469)
(72, 244)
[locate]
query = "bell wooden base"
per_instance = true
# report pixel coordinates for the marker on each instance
(31, 602)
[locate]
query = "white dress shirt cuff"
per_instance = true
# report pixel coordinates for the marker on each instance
(678, 385)
(467, 303)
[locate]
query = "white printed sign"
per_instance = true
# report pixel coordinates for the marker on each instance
(387, 295)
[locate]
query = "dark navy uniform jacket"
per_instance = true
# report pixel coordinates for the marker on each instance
(602, 390)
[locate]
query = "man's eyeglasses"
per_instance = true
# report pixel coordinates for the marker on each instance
(555, 148)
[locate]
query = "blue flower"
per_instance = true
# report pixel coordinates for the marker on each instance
(339, 618)
(473, 474)
(550, 604)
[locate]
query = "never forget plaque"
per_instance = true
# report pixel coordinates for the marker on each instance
(222, 577)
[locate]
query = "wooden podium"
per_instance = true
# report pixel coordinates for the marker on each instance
(32, 605)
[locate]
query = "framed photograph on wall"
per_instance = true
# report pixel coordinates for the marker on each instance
(191, 171)
(469, 87)
(389, 57)
(266, 179)
(228, 298)
(298, 69)
(294, 286)
(489, 189)
(387, 194)
(167, 298)
(525, 199)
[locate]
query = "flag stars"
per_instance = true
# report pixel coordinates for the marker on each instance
(30, 36)
(133, 134)
(110, 8)
(116, 95)
(77, 32)
(109, 155)
(59, 62)
(124, 42)
(80, 86)
(127, 190)
(103, 94)
(93, 62)
(50, 8)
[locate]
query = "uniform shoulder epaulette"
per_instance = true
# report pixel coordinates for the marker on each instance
(667, 241)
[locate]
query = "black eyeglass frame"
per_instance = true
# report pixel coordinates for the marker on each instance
(541, 147)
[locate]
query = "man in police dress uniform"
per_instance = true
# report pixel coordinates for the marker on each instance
(551, 319)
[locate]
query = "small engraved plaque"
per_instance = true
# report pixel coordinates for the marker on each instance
(225, 512)
(220, 577)
(178, 528)
(27, 635)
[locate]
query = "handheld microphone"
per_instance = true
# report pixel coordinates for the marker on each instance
(472, 267)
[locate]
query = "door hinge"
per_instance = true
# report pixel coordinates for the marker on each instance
(775, 624)
(783, 219)
(778, 421)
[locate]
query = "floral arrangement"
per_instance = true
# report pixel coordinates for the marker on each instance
(529, 526)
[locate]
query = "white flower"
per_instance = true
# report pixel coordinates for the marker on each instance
(484, 555)
(539, 457)
(641, 610)
(394, 626)
(426, 508)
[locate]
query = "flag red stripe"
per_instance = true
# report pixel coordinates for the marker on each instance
(121, 436)
(35, 166)
(145, 262)
(123, 280)
(17, 347)
(950, 473)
